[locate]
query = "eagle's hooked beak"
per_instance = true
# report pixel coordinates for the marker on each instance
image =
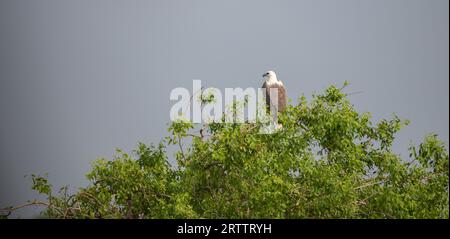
(265, 74)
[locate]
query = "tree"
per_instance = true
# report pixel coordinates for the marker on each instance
(328, 161)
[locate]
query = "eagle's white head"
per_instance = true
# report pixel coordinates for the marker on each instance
(270, 77)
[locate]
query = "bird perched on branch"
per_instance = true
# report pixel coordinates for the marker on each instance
(272, 84)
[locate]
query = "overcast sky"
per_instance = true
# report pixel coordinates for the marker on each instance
(80, 78)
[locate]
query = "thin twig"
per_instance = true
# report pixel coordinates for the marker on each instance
(181, 148)
(35, 202)
(368, 185)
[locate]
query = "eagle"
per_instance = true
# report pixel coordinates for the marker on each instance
(271, 82)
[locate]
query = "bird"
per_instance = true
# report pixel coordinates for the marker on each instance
(271, 82)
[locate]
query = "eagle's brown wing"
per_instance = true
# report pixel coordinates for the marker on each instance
(282, 100)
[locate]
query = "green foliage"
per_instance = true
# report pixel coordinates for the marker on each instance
(41, 185)
(327, 161)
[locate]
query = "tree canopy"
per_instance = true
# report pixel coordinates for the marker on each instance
(327, 161)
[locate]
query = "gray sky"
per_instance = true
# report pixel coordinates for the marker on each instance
(80, 78)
